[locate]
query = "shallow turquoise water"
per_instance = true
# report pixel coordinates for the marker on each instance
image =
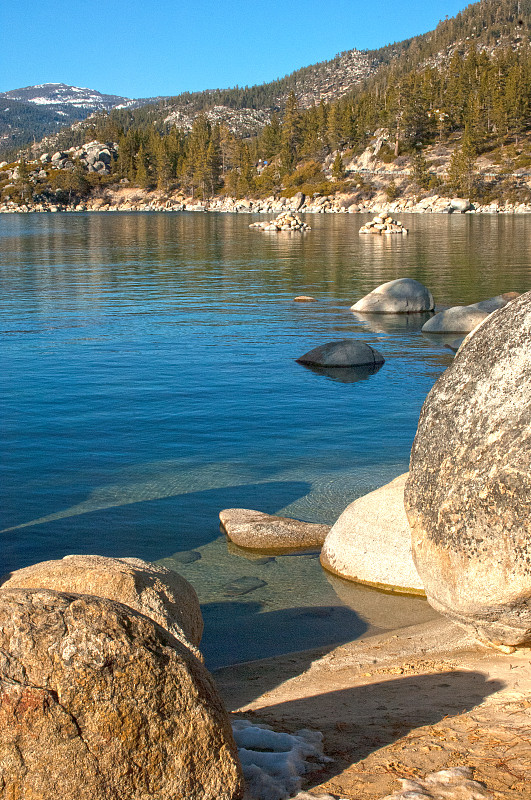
(149, 380)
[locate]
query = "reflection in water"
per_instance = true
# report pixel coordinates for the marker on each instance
(381, 609)
(449, 340)
(345, 374)
(392, 323)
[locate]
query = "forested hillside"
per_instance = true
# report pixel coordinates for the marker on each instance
(465, 86)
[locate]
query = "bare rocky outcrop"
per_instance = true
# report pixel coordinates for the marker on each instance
(371, 541)
(342, 353)
(468, 497)
(259, 531)
(401, 296)
(151, 589)
(99, 703)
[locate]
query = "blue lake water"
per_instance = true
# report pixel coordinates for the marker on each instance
(149, 380)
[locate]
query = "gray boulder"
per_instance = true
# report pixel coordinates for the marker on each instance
(468, 497)
(259, 531)
(151, 589)
(99, 702)
(371, 542)
(401, 296)
(342, 353)
(458, 319)
(297, 201)
(457, 204)
(494, 303)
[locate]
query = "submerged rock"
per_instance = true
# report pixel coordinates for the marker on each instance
(371, 542)
(468, 497)
(244, 585)
(401, 296)
(100, 702)
(260, 531)
(187, 556)
(304, 298)
(342, 353)
(458, 319)
(151, 589)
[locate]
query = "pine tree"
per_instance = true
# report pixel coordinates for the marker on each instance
(338, 170)
(213, 162)
(461, 170)
(291, 135)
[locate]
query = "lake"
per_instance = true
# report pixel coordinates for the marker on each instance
(149, 381)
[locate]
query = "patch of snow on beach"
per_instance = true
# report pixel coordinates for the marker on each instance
(447, 784)
(274, 763)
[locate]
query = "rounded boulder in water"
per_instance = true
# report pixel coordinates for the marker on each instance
(458, 319)
(401, 296)
(342, 353)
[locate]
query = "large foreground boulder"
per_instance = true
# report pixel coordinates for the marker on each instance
(342, 353)
(259, 531)
(458, 319)
(153, 590)
(371, 542)
(468, 497)
(100, 703)
(401, 296)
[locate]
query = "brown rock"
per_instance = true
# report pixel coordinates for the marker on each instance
(259, 531)
(101, 703)
(468, 497)
(153, 590)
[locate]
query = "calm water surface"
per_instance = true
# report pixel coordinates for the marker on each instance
(148, 381)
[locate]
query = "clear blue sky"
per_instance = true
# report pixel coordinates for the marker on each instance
(138, 48)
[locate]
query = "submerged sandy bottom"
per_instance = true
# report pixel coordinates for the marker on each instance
(296, 604)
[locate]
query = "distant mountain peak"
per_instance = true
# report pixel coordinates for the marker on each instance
(53, 94)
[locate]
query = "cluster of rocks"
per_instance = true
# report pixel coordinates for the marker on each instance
(94, 156)
(103, 690)
(383, 223)
(284, 222)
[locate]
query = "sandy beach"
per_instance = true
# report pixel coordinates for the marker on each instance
(398, 705)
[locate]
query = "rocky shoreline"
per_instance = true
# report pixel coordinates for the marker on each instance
(128, 200)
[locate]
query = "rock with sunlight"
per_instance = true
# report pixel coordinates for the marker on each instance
(468, 496)
(342, 353)
(458, 319)
(151, 589)
(371, 542)
(259, 531)
(101, 702)
(494, 303)
(401, 296)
